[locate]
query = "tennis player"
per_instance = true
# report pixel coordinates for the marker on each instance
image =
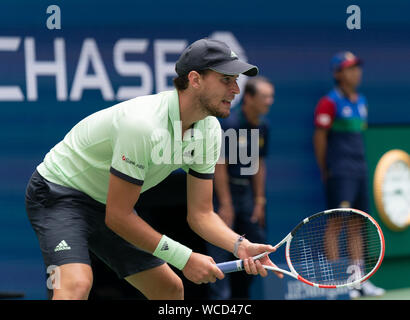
(82, 196)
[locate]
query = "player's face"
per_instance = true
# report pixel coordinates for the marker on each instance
(217, 92)
(263, 97)
(351, 76)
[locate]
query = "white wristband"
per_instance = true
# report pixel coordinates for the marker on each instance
(236, 245)
(172, 252)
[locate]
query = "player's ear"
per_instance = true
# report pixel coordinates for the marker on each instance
(194, 79)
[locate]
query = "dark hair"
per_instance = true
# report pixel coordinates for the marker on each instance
(181, 82)
(250, 87)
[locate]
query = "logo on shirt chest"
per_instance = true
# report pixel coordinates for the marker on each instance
(347, 111)
(128, 160)
(261, 142)
(189, 153)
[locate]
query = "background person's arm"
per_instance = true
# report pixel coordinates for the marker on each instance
(223, 193)
(325, 113)
(258, 182)
(208, 225)
(320, 146)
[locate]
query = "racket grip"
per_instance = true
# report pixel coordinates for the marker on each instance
(231, 266)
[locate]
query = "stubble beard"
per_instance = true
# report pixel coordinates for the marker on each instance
(211, 109)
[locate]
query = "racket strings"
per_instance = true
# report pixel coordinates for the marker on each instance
(335, 248)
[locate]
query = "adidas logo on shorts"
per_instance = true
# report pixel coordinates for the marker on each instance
(62, 246)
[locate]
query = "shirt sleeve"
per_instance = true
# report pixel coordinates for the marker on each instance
(325, 113)
(131, 150)
(366, 107)
(205, 168)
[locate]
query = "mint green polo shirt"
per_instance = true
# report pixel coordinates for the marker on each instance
(138, 140)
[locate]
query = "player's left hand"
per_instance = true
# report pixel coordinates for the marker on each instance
(248, 249)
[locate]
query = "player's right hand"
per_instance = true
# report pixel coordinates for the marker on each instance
(202, 269)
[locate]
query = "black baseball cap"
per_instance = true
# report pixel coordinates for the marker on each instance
(215, 55)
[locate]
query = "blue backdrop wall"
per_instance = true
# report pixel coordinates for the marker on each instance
(104, 53)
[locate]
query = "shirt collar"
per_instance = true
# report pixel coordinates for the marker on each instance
(175, 117)
(341, 95)
(173, 106)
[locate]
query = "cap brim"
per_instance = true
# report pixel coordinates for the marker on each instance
(235, 67)
(350, 63)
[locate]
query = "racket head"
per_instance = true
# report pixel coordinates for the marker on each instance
(335, 248)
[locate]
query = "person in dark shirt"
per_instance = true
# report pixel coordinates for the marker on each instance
(340, 119)
(240, 174)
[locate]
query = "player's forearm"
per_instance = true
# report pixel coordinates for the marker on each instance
(136, 231)
(133, 229)
(210, 227)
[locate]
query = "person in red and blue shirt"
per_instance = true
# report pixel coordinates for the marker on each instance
(340, 119)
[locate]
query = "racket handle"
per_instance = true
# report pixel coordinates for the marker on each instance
(231, 266)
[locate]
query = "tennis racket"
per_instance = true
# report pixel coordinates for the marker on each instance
(330, 249)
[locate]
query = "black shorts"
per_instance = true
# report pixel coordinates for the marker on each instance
(68, 223)
(351, 192)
